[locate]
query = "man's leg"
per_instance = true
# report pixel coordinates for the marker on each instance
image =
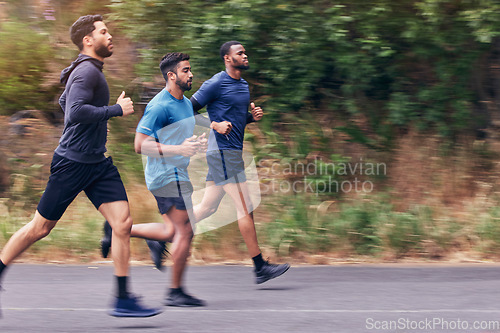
(37, 229)
(154, 231)
(180, 252)
(264, 270)
(126, 305)
(118, 215)
(210, 202)
(157, 233)
(241, 198)
(181, 242)
(156, 236)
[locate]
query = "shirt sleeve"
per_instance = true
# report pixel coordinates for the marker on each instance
(151, 121)
(250, 118)
(79, 96)
(208, 92)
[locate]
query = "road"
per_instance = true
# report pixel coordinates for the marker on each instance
(345, 298)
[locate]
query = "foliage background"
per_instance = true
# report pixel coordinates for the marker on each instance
(412, 84)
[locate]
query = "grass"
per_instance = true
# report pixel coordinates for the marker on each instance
(298, 226)
(417, 217)
(372, 227)
(76, 237)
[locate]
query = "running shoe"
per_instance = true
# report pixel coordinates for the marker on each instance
(158, 252)
(270, 271)
(177, 297)
(106, 240)
(131, 307)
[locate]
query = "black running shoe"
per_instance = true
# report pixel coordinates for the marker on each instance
(270, 271)
(158, 252)
(131, 307)
(106, 240)
(177, 297)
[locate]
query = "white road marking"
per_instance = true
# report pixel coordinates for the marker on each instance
(277, 310)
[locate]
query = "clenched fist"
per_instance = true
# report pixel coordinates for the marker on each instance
(126, 104)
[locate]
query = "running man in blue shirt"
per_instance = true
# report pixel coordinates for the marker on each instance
(79, 163)
(165, 135)
(227, 98)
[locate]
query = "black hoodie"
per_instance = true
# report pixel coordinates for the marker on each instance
(84, 103)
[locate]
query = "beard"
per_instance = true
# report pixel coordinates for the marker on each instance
(103, 51)
(243, 67)
(185, 86)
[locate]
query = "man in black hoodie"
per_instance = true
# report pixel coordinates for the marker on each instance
(79, 163)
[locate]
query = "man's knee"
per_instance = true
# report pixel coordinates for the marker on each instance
(204, 211)
(38, 229)
(209, 211)
(187, 233)
(122, 227)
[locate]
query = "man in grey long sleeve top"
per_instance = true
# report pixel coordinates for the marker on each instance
(79, 163)
(85, 104)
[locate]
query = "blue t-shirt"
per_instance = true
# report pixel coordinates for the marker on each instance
(226, 99)
(170, 121)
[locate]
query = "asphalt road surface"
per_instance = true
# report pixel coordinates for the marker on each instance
(356, 298)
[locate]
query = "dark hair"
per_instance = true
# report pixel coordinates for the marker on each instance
(170, 61)
(224, 49)
(83, 27)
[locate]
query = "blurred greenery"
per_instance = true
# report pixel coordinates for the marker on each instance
(393, 64)
(380, 66)
(23, 63)
(365, 72)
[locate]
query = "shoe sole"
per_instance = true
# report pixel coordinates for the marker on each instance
(120, 314)
(182, 305)
(259, 281)
(160, 267)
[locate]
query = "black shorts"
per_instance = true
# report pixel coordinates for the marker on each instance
(177, 193)
(101, 183)
(226, 166)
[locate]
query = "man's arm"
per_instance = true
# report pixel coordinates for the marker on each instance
(199, 119)
(223, 127)
(79, 97)
(146, 145)
(196, 106)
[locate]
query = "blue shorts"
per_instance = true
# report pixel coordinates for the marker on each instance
(101, 183)
(176, 193)
(226, 166)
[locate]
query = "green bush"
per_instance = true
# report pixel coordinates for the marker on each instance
(24, 54)
(395, 64)
(489, 231)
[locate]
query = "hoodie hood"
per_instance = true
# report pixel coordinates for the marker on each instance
(81, 58)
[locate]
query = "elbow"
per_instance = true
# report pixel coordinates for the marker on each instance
(76, 115)
(137, 147)
(73, 118)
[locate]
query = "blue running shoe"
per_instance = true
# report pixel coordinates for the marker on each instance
(131, 307)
